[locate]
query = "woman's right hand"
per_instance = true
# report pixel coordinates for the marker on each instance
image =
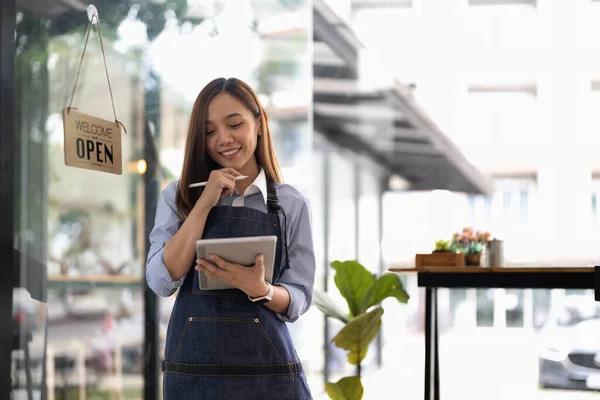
(221, 183)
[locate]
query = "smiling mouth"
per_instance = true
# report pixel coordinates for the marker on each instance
(230, 152)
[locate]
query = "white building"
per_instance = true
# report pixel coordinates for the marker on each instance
(516, 85)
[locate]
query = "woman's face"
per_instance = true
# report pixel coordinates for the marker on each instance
(231, 134)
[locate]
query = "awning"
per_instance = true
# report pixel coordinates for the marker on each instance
(380, 119)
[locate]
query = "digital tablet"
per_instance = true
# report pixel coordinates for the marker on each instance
(241, 250)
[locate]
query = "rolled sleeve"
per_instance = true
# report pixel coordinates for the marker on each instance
(166, 224)
(299, 278)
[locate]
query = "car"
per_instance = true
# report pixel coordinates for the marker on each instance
(569, 354)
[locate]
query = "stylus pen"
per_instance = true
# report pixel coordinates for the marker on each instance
(198, 184)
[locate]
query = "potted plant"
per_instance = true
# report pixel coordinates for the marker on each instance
(442, 246)
(363, 292)
(471, 243)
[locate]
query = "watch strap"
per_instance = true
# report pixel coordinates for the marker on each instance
(266, 298)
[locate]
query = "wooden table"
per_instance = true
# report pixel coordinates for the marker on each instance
(434, 277)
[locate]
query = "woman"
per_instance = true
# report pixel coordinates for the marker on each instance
(231, 344)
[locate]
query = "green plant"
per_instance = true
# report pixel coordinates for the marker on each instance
(363, 293)
(442, 245)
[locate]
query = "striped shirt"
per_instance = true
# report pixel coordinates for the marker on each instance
(298, 279)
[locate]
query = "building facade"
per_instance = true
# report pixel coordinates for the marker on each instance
(514, 84)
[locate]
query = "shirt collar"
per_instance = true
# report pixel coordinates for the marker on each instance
(259, 185)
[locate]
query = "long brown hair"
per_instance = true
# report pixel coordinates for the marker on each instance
(197, 164)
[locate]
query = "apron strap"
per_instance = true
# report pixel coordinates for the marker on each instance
(274, 207)
(272, 199)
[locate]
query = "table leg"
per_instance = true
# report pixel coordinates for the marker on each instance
(597, 283)
(436, 371)
(432, 369)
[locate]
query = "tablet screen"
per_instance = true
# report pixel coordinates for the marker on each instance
(241, 251)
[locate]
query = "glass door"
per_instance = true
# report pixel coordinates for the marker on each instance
(78, 308)
(92, 327)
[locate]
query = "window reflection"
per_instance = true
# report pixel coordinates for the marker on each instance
(369, 219)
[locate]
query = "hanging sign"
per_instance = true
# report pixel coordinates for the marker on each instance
(91, 142)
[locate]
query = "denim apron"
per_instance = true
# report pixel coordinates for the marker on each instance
(220, 345)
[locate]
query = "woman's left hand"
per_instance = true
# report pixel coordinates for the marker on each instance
(250, 280)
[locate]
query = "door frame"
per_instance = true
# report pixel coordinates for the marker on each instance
(9, 275)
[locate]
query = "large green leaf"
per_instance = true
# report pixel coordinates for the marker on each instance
(353, 281)
(328, 307)
(388, 285)
(358, 334)
(349, 388)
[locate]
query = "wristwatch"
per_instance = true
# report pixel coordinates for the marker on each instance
(266, 298)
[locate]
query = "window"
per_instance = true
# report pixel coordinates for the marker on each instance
(509, 205)
(308, 331)
(501, 2)
(341, 242)
(369, 219)
(292, 140)
(523, 206)
(508, 214)
(480, 210)
(515, 206)
(595, 206)
(342, 208)
(371, 4)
